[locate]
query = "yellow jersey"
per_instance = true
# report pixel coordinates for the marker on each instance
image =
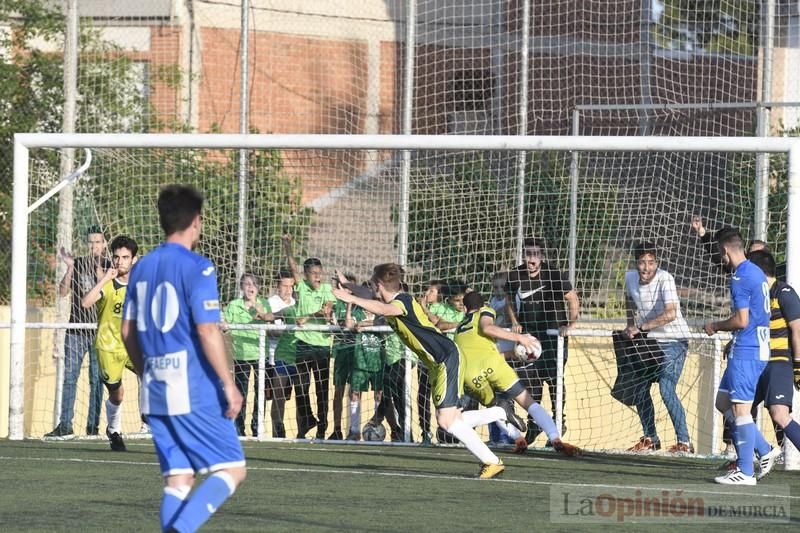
(418, 332)
(471, 339)
(109, 317)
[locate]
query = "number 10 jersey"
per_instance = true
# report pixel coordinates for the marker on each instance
(170, 291)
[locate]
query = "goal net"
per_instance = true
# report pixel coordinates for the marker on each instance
(462, 213)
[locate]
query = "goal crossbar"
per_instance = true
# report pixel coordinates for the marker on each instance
(23, 142)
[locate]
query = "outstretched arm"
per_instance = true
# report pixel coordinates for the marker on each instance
(488, 327)
(287, 249)
(373, 306)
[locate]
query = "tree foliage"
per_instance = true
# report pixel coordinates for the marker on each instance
(120, 189)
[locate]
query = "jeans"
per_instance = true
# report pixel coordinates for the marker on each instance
(76, 345)
(674, 358)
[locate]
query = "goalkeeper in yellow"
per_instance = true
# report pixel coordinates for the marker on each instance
(486, 372)
(112, 358)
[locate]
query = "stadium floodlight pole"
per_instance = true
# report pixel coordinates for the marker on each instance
(241, 240)
(243, 129)
(64, 225)
(763, 117)
(405, 178)
(573, 200)
(522, 129)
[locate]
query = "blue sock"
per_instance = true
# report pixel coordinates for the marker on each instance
(171, 503)
(761, 445)
(745, 436)
(204, 502)
(792, 432)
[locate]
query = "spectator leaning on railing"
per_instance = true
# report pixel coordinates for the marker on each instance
(315, 307)
(652, 306)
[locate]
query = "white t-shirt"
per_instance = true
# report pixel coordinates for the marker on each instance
(276, 304)
(501, 321)
(651, 299)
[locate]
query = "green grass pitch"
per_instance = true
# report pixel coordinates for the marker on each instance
(83, 486)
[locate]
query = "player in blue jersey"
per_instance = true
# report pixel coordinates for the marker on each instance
(749, 322)
(170, 329)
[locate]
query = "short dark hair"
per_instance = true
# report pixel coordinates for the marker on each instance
(763, 260)
(123, 241)
(730, 237)
(537, 242)
(454, 287)
(644, 248)
(311, 262)
(91, 230)
(389, 274)
(284, 274)
(178, 205)
(473, 300)
(436, 283)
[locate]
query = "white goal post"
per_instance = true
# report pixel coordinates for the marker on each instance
(23, 143)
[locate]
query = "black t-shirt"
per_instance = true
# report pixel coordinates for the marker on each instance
(84, 277)
(539, 302)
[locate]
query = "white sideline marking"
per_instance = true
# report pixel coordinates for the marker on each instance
(402, 475)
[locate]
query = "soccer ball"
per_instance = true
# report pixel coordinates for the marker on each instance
(373, 433)
(524, 355)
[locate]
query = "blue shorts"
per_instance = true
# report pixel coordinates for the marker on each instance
(776, 385)
(741, 378)
(201, 441)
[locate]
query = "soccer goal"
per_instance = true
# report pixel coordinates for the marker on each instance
(450, 208)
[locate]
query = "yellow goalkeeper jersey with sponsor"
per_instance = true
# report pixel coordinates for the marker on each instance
(471, 339)
(109, 317)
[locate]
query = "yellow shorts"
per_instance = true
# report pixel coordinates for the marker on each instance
(487, 373)
(447, 380)
(112, 365)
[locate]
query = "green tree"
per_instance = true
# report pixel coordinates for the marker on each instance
(120, 189)
(461, 224)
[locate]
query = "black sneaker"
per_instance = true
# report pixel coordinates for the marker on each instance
(305, 428)
(92, 431)
(60, 432)
(336, 435)
(531, 432)
(117, 444)
(511, 416)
